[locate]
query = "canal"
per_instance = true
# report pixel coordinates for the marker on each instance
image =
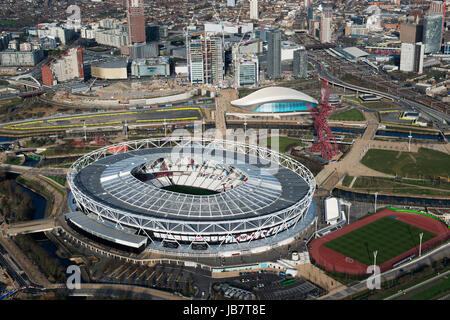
(39, 208)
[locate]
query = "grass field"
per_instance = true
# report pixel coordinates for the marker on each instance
(382, 104)
(60, 180)
(285, 143)
(405, 186)
(424, 163)
(347, 181)
(403, 129)
(13, 160)
(387, 235)
(349, 115)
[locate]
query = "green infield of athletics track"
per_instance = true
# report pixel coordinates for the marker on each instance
(387, 235)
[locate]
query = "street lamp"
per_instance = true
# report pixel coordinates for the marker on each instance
(420, 245)
(84, 127)
(165, 127)
(409, 141)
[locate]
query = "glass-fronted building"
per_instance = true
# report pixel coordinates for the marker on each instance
(432, 33)
(285, 106)
(151, 67)
(274, 54)
(247, 70)
(300, 64)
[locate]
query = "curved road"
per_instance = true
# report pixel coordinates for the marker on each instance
(323, 73)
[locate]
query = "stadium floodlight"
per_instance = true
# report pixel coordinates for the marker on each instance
(420, 245)
(375, 258)
(348, 218)
(376, 195)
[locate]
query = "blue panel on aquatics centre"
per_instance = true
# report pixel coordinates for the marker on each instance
(285, 106)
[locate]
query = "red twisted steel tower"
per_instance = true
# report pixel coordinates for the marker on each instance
(325, 142)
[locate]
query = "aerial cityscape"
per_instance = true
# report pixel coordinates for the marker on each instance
(235, 150)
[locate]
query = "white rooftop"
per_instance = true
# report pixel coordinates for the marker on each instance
(357, 53)
(272, 94)
(332, 210)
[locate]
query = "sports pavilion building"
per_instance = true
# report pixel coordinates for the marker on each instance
(276, 99)
(190, 196)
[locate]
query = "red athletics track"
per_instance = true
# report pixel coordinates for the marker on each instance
(335, 261)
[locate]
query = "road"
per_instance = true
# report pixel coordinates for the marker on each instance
(120, 290)
(10, 269)
(402, 292)
(433, 255)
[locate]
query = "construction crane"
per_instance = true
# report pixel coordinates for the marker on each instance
(90, 86)
(37, 32)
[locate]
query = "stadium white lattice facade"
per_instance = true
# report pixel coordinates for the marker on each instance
(254, 198)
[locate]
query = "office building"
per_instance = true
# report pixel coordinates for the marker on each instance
(254, 10)
(136, 21)
(62, 34)
(300, 64)
(152, 67)
(4, 40)
(355, 29)
(432, 32)
(411, 33)
(288, 48)
(10, 58)
(144, 50)
(247, 70)
(153, 33)
(251, 47)
(163, 32)
(274, 54)
(205, 59)
(112, 37)
(325, 27)
(447, 48)
(65, 68)
(411, 59)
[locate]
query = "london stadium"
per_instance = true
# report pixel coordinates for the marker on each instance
(191, 196)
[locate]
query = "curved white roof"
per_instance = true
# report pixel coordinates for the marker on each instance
(272, 94)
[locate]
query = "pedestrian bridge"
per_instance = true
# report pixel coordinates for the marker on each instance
(33, 226)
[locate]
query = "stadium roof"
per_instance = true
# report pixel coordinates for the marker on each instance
(272, 94)
(103, 231)
(109, 181)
